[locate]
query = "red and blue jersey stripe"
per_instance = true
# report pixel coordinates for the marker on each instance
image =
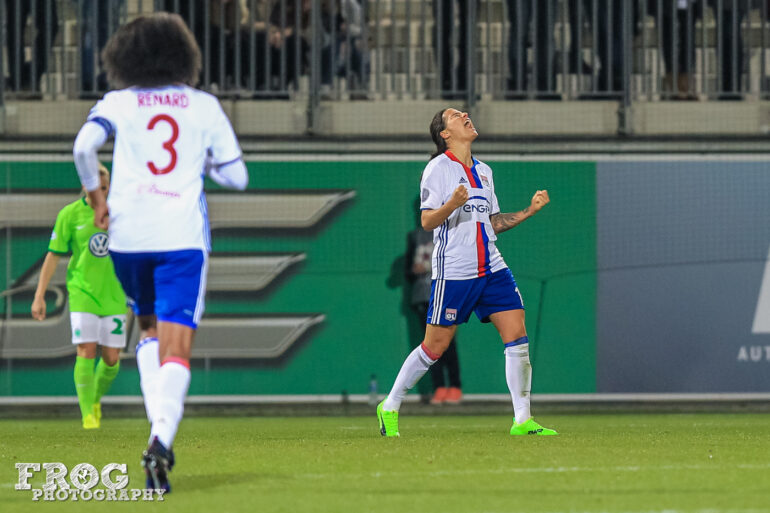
(482, 249)
(470, 172)
(482, 239)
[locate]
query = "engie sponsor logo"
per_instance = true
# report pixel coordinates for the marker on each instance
(482, 209)
(80, 484)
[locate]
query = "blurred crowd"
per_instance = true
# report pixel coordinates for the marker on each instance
(263, 47)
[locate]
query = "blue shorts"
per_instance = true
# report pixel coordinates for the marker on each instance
(169, 284)
(452, 301)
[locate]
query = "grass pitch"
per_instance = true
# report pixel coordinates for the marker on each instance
(599, 463)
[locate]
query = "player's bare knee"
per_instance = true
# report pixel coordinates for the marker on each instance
(110, 355)
(436, 346)
(513, 335)
(86, 350)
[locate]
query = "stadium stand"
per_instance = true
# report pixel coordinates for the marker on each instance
(394, 77)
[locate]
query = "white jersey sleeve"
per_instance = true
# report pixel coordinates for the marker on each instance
(232, 175)
(432, 187)
(223, 146)
(88, 141)
(106, 113)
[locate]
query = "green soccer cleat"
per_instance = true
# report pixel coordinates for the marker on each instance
(388, 421)
(530, 427)
(97, 409)
(90, 422)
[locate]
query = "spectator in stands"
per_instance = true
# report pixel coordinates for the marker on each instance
(676, 20)
(229, 43)
(453, 79)
(219, 27)
(612, 47)
(290, 36)
(224, 30)
(352, 55)
(579, 12)
(25, 75)
(520, 14)
(729, 46)
(98, 20)
(445, 373)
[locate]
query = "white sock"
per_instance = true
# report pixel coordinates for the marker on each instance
(173, 381)
(415, 366)
(518, 375)
(148, 363)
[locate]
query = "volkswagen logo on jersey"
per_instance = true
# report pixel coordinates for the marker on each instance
(98, 244)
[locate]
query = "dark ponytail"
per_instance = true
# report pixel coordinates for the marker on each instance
(436, 127)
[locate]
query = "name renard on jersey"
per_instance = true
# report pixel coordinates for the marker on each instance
(153, 99)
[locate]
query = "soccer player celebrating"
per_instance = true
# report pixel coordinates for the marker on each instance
(97, 302)
(458, 203)
(167, 135)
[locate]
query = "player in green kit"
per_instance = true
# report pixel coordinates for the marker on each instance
(96, 299)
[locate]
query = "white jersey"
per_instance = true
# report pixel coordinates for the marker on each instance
(465, 242)
(164, 138)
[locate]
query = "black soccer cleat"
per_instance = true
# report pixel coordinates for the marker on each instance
(157, 461)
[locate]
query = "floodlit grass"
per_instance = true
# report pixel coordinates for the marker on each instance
(599, 463)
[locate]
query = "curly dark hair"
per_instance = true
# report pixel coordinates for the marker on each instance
(152, 51)
(437, 126)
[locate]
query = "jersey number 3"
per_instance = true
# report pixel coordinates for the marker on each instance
(168, 145)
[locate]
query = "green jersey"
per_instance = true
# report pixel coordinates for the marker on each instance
(91, 281)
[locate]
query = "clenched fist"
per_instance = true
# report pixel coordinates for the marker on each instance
(539, 200)
(459, 196)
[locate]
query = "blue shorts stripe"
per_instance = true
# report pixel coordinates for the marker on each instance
(200, 304)
(439, 302)
(204, 208)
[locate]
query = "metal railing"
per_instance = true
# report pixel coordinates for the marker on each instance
(627, 50)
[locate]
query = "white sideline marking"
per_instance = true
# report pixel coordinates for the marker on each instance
(549, 470)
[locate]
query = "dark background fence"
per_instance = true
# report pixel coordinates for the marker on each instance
(624, 50)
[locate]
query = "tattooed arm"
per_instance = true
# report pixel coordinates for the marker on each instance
(503, 222)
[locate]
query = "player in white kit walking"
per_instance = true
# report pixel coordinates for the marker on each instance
(459, 205)
(167, 137)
